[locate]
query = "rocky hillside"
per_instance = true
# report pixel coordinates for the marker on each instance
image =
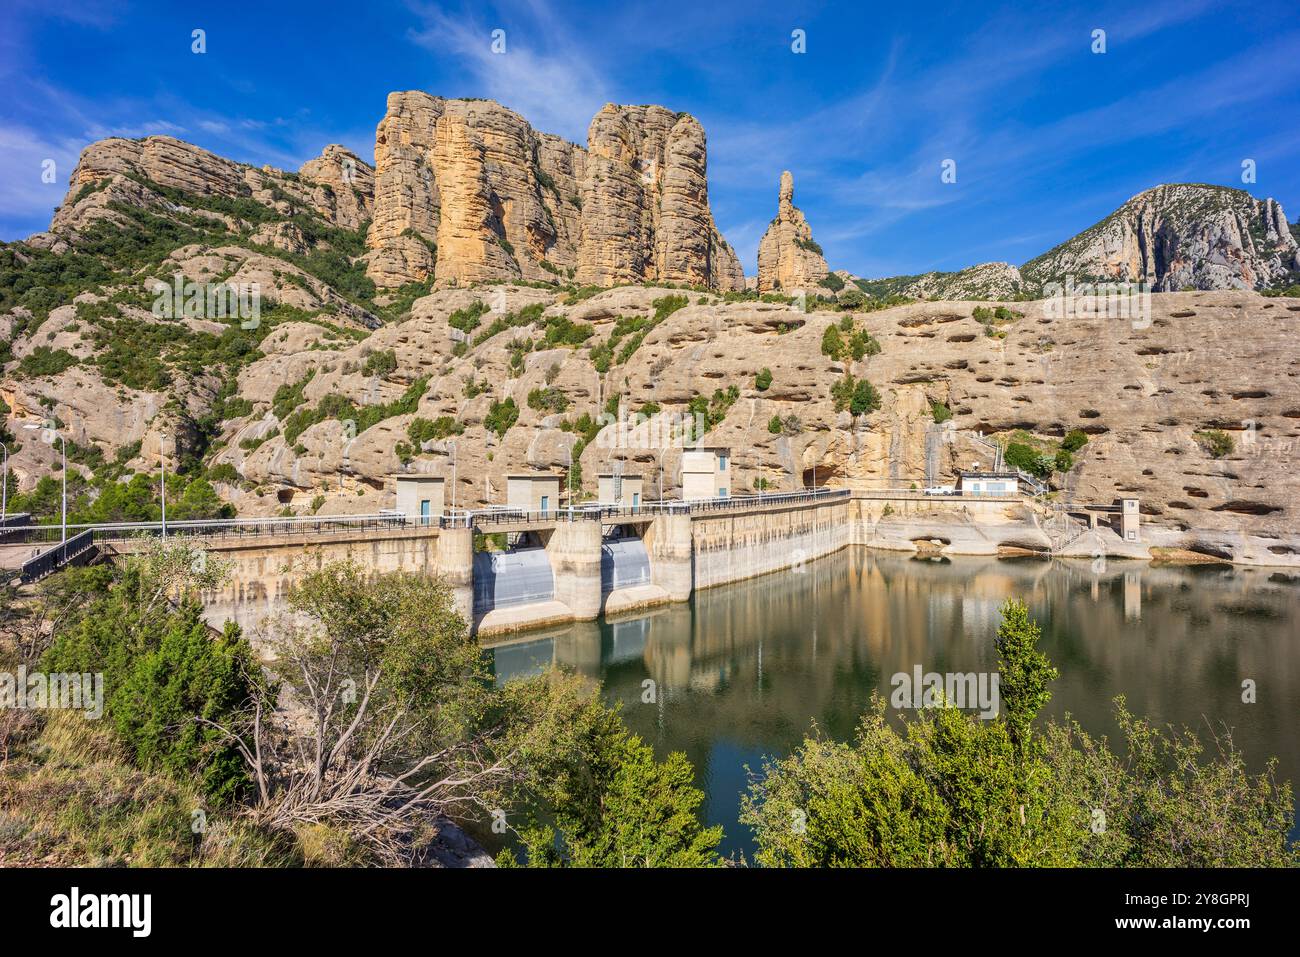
(1174, 238)
(985, 281)
(788, 257)
(1180, 237)
(338, 382)
(468, 191)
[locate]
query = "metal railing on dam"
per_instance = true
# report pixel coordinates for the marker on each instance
(643, 512)
(87, 536)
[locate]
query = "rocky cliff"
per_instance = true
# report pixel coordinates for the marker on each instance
(788, 257)
(1182, 236)
(159, 172)
(467, 190)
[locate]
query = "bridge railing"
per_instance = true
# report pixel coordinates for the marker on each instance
(739, 502)
(211, 528)
(647, 510)
(915, 494)
(52, 559)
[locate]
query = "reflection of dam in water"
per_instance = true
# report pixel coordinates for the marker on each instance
(742, 671)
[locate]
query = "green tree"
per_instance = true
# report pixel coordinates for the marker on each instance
(865, 398)
(763, 381)
(832, 343)
(165, 675)
(609, 803)
(1025, 672)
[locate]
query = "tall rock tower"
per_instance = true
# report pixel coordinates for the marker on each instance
(788, 258)
(467, 191)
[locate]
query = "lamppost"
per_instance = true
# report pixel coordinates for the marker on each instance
(63, 444)
(162, 461)
(453, 474)
(4, 490)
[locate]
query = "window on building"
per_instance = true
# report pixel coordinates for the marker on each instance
(722, 463)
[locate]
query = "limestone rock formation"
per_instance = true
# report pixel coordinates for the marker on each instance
(149, 173)
(343, 186)
(467, 190)
(788, 258)
(1183, 236)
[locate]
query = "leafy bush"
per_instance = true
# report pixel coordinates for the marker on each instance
(953, 789)
(865, 398)
(853, 299)
(549, 399)
(863, 343)
(1020, 456)
(775, 425)
(425, 430)
(832, 343)
(501, 416)
(163, 672)
(44, 361)
(833, 282)
(467, 319)
(1074, 440)
(1216, 442)
(763, 381)
(940, 412)
(382, 362)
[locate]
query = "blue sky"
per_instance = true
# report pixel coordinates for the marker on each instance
(1047, 136)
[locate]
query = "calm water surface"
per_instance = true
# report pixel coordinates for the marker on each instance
(743, 670)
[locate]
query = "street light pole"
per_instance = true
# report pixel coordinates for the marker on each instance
(32, 427)
(453, 475)
(162, 460)
(4, 491)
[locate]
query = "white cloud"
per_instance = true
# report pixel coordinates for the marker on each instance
(542, 74)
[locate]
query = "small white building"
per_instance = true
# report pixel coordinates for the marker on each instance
(706, 473)
(988, 483)
(1130, 520)
(420, 497)
(620, 490)
(533, 491)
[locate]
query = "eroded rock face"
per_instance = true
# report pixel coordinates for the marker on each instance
(343, 185)
(126, 172)
(788, 259)
(1177, 237)
(467, 190)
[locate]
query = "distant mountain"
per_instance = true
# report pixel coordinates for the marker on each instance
(985, 281)
(1183, 236)
(1174, 237)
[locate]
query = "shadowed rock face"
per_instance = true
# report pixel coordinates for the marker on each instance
(788, 259)
(467, 190)
(1183, 236)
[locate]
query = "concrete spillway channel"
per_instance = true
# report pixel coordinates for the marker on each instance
(577, 573)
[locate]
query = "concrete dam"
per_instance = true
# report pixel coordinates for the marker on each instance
(560, 566)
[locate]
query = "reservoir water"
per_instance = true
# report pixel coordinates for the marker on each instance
(742, 671)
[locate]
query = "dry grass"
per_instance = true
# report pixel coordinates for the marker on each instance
(69, 798)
